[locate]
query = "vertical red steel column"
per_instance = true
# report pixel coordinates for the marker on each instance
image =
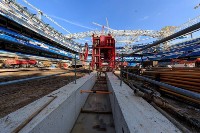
(93, 53)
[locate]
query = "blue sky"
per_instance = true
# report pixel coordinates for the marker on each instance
(121, 14)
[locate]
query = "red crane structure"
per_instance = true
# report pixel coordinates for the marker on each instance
(103, 52)
(84, 55)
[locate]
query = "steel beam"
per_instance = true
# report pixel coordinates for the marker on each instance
(182, 32)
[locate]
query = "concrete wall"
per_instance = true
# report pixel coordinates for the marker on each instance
(58, 117)
(132, 114)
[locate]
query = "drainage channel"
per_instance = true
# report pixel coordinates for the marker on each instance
(96, 114)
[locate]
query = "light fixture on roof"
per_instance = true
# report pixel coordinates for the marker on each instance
(22, 9)
(25, 8)
(33, 15)
(8, 1)
(46, 25)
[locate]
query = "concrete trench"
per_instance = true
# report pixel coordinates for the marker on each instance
(96, 114)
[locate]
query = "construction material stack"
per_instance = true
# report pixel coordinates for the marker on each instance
(103, 52)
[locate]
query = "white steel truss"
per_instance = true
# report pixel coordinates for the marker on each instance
(21, 15)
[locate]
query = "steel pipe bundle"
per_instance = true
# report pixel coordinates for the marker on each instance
(187, 79)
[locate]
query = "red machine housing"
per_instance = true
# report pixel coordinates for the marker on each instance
(103, 52)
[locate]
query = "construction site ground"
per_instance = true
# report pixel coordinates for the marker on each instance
(188, 115)
(15, 96)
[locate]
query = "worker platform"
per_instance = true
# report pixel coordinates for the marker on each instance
(93, 104)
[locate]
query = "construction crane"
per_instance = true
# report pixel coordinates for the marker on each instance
(121, 35)
(118, 39)
(126, 37)
(70, 40)
(45, 15)
(166, 31)
(115, 33)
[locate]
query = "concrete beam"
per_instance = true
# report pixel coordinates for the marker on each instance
(58, 116)
(132, 114)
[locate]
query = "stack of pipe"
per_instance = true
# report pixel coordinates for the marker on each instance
(183, 78)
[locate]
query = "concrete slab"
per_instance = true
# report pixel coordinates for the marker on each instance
(132, 114)
(57, 117)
